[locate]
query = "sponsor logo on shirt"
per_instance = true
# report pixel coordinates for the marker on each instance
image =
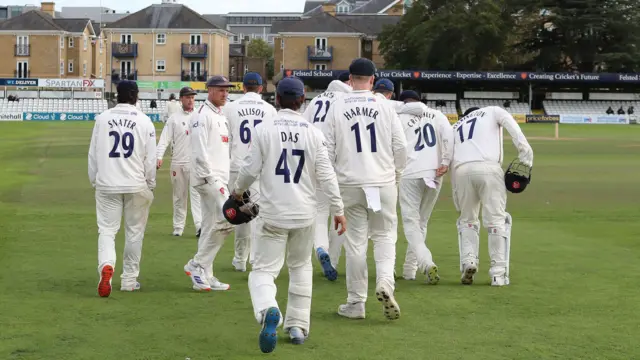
(225, 139)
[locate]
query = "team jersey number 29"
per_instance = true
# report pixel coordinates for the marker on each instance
(122, 144)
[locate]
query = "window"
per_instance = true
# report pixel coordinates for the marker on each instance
(70, 66)
(281, 43)
(22, 69)
(241, 37)
(321, 66)
(101, 44)
(126, 38)
(161, 39)
(160, 65)
(235, 39)
(61, 42)
(282, 67)
(195, 39)
(71, 42)
(84, 69)
(126, 68)
(196, 68)
(271, 39)
(321, 43)
(85, 42)
(61, 67)
(22, 45)
(101, 69)
(343, 8)
(246, 69)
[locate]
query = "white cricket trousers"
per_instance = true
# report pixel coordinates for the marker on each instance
(181, 191)
(417, 201)
(383, 227)
(109, 211)
(479, 184)
(215, 227)
(326, 236)
(272, 244)
(244, 233)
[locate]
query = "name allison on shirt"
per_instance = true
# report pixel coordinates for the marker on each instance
(251, 112)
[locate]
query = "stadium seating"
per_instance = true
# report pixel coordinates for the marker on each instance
(514, 108)
(162, 105)
(591, 107)
(54, 105)
(449, 108)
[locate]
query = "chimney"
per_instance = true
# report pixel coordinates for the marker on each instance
(49, 8)
(329, 8)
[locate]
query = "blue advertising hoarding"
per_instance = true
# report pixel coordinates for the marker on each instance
(45, 116)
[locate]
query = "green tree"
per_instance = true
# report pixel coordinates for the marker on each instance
(450, 35)
(581, 35)
(259, 48)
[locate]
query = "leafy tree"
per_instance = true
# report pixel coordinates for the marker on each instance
(259, 48)
(450, 35)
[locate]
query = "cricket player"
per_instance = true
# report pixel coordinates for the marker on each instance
(243, 115)
(478, 179)
(430, 149)
(384, 88)
(290, 156)
(176, 134)
(210, 176)
(122, 169)
(173, 107)
(366, 142)
(327, 246)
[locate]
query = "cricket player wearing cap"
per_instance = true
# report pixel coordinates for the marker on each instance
(478, 179)
(210, 175)
(327, 245)
(367, 144)
(290, 156)
(176, 134)
(243, 115)
(384, 88)
(430, 149)
(173, 107)
(122, 169)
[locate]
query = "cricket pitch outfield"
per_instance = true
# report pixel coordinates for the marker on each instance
(574, 268)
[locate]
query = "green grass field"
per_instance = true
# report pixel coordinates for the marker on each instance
(574, 273)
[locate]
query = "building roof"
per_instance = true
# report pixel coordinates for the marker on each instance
(35, 20)
(163, 16)
(326, 23)
(219, 20)
(72, 25)
(374, 6)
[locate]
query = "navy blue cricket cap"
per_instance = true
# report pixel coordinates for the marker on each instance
(187, 91)
(127, 86)
(344, 76)
(362, 67)
(290, 86)
(219, 81)
(409, 94)
(252, 79)
(383, 85)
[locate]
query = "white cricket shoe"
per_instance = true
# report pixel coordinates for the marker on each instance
(177, 232)
(432, 274)
(130, 287)
(390, 308)
(499, 280)
(198, 276)
(239, 265)
(469, 271)
(216, 285)
(352, 311)
(408, 275)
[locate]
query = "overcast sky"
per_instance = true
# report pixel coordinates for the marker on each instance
(201, 6)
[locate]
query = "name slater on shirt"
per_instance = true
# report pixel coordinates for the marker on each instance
(251, 112)
(126, 123)
(361, 111)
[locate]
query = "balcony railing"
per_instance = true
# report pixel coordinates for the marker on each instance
(117, 75)
(320, 54)
(124, 50)
(21, 74)
(22, 50)
(194, 76)
(195, 51)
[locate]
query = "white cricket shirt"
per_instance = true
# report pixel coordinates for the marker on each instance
(176, 134)
(290, 156)
(478, 137)
(429, 140)
(122, 153)
(209, 145)
(173, 107)
(243, 115)
(316, 111)
(365, 140)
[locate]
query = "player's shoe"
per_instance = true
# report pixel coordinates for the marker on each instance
(177, 232)
(216, 285)
(297, 336)
(407, 275)
(469, 271)
(499, 280)
(198, 232)
(104, 285)
(130, 287)
(239, 265)
(432, 274)
(198, 276)
(352, 310)
(329, 271)
(390, 308)
(269, 335)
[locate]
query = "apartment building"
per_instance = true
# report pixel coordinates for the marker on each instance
(358, 7)
(330, 40)
(165, 42)
(44, 46)
(249, 26)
